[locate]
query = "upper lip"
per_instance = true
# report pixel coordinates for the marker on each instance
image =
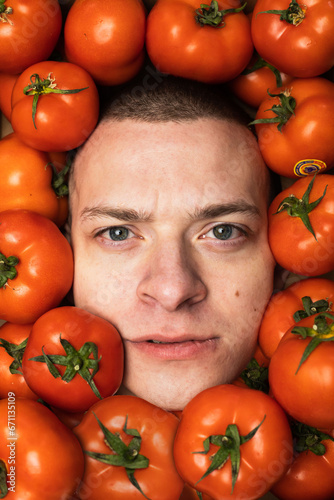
(170, 339)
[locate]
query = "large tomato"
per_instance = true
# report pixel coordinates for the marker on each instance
(40, 456)
(7, 82)
(55, 106)
(27, 180)
(225, 424)
(298, 138)
(301, 226)
(36, 268)
(298, 37)
(106, 38)
(305, 297)
(116, 469)
(86, 357)
(301, 371)
(29, 32)
(206, 43)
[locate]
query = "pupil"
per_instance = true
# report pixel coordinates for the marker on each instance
(222, 232)
(118, 233)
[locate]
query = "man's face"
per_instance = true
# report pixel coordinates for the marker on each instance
(169, 233)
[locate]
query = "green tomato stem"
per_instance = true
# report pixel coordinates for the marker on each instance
(294, 14)
(210, 15)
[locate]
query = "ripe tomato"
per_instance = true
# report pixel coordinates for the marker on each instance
(106, 38)
(311, 476)
(86, 354)
(12, 343)
(63, 121)
(252, 84)
(149, 471)
(212, 424)
(301, 371)
(40, 455)
(7, 83)
(308, 249)
(279, 314)
(180, 41)
(299, 42)
(27, 180)
(302, 144)
(28, 32)
(44, 272)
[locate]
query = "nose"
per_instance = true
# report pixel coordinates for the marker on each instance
(171, 279)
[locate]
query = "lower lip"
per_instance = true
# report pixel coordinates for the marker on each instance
(176, 350)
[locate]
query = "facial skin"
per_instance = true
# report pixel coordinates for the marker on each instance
(172, 191)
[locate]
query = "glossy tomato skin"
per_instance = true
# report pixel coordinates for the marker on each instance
(27, 180)
(278, 316)
(302, 51)
(7, 82)
(264, 458)
(45, 268)
(294, 247)
(178, 45)
(310, 477)
(285, 151)
(77, 327)
(30, 33)
(48, 459)
(160, 480)
(106, 38)
(13, 382)
(63, 121)
(308, 395)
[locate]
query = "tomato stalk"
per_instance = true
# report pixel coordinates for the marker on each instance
(16, 351)
(59, 182)
(294, 14)
(4, 12)
(296, 207)
(229, 447)
(261, 63)
(284, 110)
(75, 361)
(308, 438)
(321, 331)
(210, 15)
(310, 308)
(43, 86)
(256, 376)
(3, 480)
(123, 455)
(7, 269)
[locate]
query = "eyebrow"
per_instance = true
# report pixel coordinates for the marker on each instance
(200, 213)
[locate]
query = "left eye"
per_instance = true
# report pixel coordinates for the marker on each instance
(117, 233)
(224, 232)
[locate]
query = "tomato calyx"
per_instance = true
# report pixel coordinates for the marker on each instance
(321, 331)
(123, 455)
(261, 63)
(7, 269)
(210, 15)
(284, 110)
(296, 207)
(256, 376)
(308, 438)
(310, 308)
(16, 351)
(59, 180)
(294, 14)
(3, 480)
(4, 13)
(76, 362)
(229, 447)
(43, 86)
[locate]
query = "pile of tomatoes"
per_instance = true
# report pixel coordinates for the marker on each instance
(64, 434)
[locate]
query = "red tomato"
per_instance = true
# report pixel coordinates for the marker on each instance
(178, 43)
(106, 38)
(62, 121)
(44, 271)
(29, 32)
(278, 316)
(12, 380)
(302, 43)
(311, 476)
(189, 493)
(95, 355)
(305, 387)
(41, 456)
(156, 475)
(294, 246)
(252, 84)
(304, 144)
(27, 180)
(7, 83)
(226, 410)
